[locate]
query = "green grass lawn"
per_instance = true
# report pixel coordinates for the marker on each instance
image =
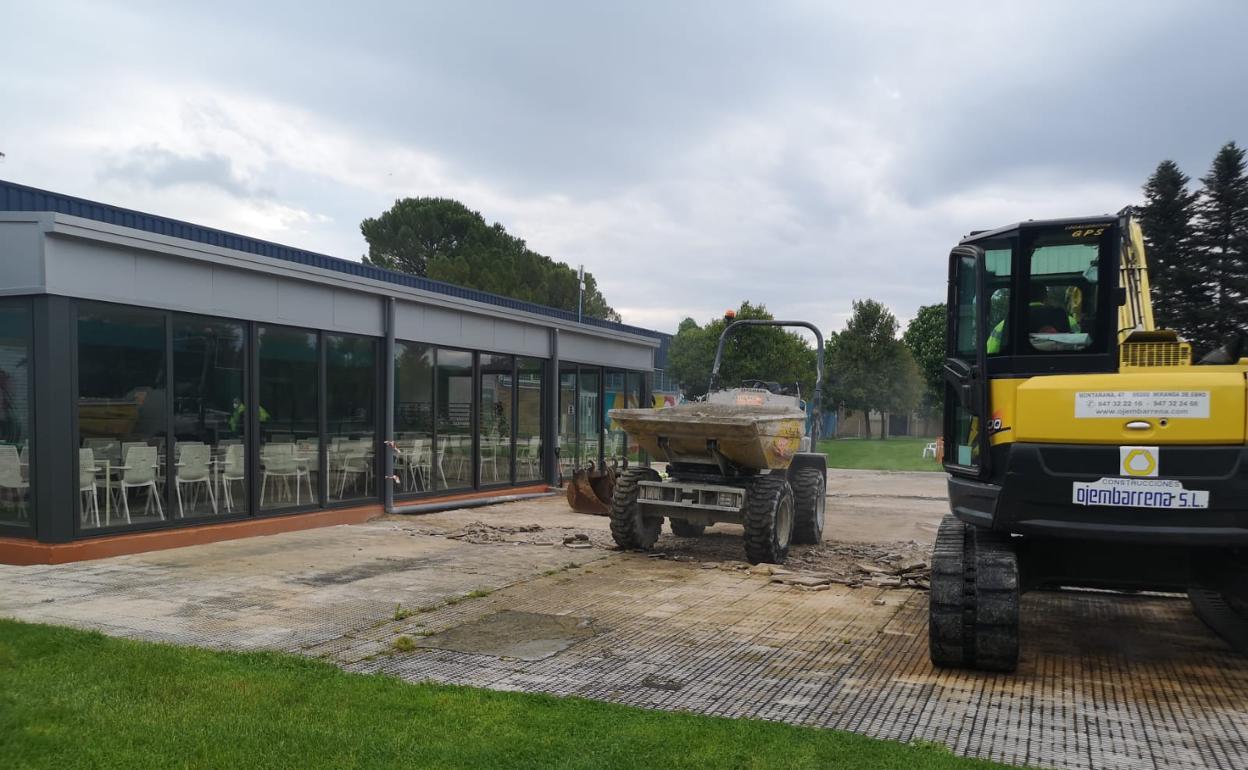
(894, 454)
(77, 699)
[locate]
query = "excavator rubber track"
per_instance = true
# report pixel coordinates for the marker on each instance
(974, 603)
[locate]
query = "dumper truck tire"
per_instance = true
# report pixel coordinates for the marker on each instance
(809, 503)
(973, 611)
(768, 520)
(629, 528)
(683, 528)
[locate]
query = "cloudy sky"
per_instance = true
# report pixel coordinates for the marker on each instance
(692, 155)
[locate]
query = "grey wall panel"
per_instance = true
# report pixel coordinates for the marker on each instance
(82, 269)
(441, 326)
(177, 282)
(358, 313)
(476, 332)
(586, 349)
(305, 304)
(244, 295)
(509, 337)
(21, 256)
(408, 320)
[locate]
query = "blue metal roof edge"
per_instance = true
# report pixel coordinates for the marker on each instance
(17, 197)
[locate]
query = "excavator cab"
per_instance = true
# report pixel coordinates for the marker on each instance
(1083, 447)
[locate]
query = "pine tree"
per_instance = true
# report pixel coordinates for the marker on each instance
(1222, 233)
(1180, 298)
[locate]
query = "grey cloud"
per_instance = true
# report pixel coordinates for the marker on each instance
(158, 167)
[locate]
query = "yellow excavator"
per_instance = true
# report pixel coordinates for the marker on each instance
(1083, 446)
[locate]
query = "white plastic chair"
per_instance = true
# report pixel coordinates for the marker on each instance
(194, 467)
(233, 469)
(140, 472)
(87, 487)
(929, 449)
(351, 460)
(489, 456)
(11, 477)
(280, 462)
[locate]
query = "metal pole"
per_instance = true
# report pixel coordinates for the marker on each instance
(387, 473)
(580, 292)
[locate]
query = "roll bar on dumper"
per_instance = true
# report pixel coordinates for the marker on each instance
(816, 400)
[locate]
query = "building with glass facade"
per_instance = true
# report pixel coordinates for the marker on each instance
(156, 375)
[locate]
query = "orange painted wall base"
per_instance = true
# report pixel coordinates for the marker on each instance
(23, 552)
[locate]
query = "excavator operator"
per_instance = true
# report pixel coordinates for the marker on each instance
(1043, 317)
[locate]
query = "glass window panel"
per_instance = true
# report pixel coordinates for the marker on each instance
(454, 451)
(589, 416)
(1064, 272)
(633, 401)
(122, 415)
(494, 441)
(413, 416)
(209, 419)
(615, 392)
(289, 380)
(998, 263)
(568, 446)
(529, 381)
(351, 407)
(15, 455)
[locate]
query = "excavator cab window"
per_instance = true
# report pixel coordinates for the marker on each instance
(1063, 274)
(1045, 287)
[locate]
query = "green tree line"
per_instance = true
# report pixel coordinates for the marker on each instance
(444, 240)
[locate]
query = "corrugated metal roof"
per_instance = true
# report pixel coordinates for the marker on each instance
(16, 197)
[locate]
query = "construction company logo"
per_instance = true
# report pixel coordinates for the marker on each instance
(1138, 461)
(1086, 231)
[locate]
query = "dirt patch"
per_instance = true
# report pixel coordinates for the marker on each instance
(485, 533)
(883, 565)
(519, 635)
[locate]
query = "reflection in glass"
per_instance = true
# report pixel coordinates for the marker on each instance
(568, 445)
(209, 422)
(453, 453)
(589, 416)
(497, 419)
(15, 336)
(289, 426)
(529, 375)
(351, 381)
(121, 414)
(413, 417)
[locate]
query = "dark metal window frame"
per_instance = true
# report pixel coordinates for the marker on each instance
(168, 498)
(252, 440)
(379, 399)
(30, 529)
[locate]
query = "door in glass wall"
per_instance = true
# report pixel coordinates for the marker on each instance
(413, 418)
(529, 380)
(122, 415)
(589, 415)
(569, 446)
(289, 380)
(496, 426)
(454, 452)
(209, 417)
(15, 455)
(351, 404)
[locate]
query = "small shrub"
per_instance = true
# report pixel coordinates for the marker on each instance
(403, 644)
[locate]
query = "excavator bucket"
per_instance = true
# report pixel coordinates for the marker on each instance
(591, 488)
